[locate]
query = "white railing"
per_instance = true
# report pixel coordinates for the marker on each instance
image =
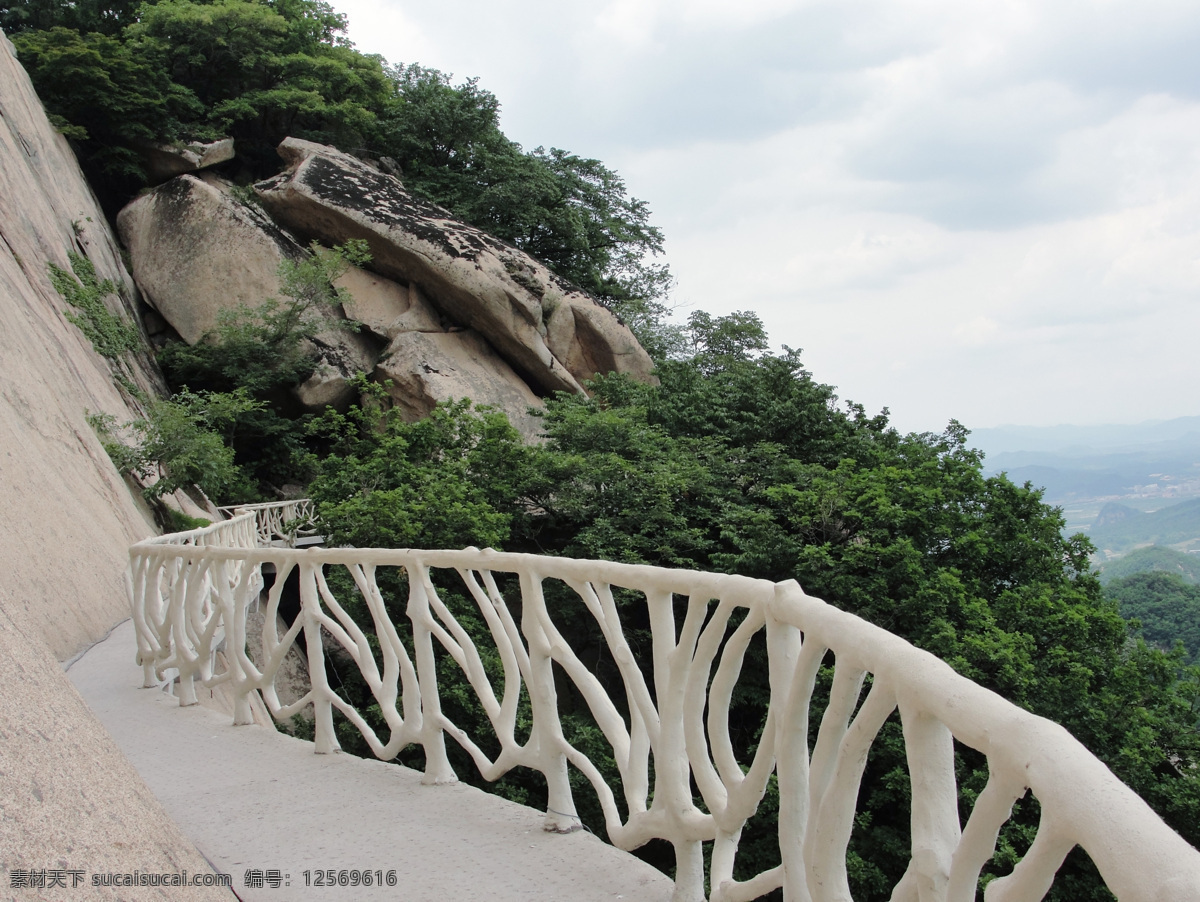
(239, 531)
(279, 521)
(670, 730)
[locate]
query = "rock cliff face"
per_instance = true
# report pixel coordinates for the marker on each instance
(196, 251)
(67, 796)
(449, 311)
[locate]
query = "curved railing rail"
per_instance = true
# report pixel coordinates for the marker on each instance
(279, 521)
(669, 734)
(239, 531)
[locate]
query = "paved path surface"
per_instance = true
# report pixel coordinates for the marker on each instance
(252, 798)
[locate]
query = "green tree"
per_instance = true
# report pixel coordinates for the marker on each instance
(183, 441)
(269, 347)
(737, 461)
(1165, 607)
(116, 78)
(723, 340)
(260, 70)
(263, 352)
(106, 17)
(106, 95)
(570, 212)
(447, 481)
(263, 71)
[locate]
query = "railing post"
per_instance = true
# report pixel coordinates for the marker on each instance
(689, 871)
(310, 604)
(547, 729)
(929, 746)
(235, 642)
(793, 772)
(192, 580)
(138, 583)
(792, 667)
(433, 738)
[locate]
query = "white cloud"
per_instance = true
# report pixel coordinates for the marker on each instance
(983, 210)
(383, 27)
(630, 22)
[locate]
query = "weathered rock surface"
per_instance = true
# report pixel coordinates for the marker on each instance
(341, 355)
(474, 279)
(197, 251)
(165, 161)
(588, 339)
(388, 308)
(428, 367)
(68, 798)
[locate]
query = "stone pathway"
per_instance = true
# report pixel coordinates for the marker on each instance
(253, 799)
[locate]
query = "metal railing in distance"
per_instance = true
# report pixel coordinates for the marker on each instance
(669, 733)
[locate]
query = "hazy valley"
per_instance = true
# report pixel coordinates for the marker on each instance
(1127, 487)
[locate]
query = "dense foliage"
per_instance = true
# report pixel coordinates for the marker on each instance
(1150, 558)
(110, 335)
(741, 462)
(232, 427)
(450, 480)
(183, 441)
(117, 76)
(1165, 606)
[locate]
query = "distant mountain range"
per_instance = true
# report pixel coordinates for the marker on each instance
(1154, 558)
(1118, 528)
(1076, 440)
(1145, 467)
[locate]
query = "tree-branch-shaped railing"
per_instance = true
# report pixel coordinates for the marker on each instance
(669, 733)
(279, 521)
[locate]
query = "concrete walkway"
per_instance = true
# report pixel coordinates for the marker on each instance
(252, 798)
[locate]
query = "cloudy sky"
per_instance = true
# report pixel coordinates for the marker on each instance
(981, 210)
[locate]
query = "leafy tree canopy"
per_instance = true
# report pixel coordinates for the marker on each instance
(449, 480)
(738, 461)
(107, 17)
(268, 347)
(182, 441)
(106, 95)
(1166, 609)
(262, 352)
(116, 76)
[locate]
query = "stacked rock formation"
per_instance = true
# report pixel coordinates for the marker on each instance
(447, 310)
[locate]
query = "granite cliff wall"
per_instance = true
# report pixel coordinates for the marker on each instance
(68, 798)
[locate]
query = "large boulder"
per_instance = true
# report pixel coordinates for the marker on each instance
(385, 307)
(427, 367)
(341, 355)
(197, 250)
(165, 161)
(474, 279)
(588, 339)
